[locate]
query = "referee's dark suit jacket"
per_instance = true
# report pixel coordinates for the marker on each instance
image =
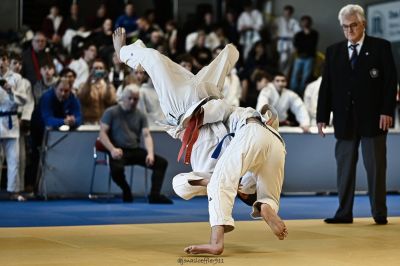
(361, 95)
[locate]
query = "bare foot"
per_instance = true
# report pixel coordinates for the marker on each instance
(213, 249)
(274, 221)
(216, 246)
(119, 39)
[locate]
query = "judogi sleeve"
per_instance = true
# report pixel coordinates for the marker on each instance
(216, 111)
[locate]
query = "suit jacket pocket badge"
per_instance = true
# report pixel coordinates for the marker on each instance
(374, 73)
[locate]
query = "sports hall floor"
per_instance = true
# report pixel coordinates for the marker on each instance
(108, 232)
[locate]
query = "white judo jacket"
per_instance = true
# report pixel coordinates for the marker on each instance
(9, 102)
(283, 102)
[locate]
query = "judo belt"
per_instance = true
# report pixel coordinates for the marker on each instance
(9, 114)
(218, 149)
(285, 38)
(258, 121)
(189, 138)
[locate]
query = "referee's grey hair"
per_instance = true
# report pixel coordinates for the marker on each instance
(129, 90)
(350, 10)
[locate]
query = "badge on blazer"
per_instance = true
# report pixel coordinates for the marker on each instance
(374, 73)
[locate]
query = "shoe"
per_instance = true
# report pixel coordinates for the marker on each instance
(17, 197)
(159, 199)
(336, 220)
(381, 220)
(127, 198)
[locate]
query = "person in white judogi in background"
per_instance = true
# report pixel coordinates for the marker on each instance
(11, 96)
(311, 99)
(183, 94)
(25, 111)
(249, 23)
(285, 28)
(283, 100)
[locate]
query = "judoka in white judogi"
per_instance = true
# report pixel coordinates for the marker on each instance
(284, 101)
(161, 71)
(10, 99)
(256, 148)
(181, 94)
(311, 99)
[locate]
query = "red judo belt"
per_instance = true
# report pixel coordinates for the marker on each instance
(189, 138)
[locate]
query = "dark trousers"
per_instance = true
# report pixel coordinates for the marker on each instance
(35, 142)
(138, 157)
(374, 157)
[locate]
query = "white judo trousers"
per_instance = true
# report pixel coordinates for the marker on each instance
(254, 149)
(10, 147)
(177, 88)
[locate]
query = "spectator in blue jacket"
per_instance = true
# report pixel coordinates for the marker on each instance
(128, 19)
(58, 106)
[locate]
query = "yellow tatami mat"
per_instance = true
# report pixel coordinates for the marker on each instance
(310, 242)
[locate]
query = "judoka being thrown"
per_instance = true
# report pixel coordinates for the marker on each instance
(256, 147)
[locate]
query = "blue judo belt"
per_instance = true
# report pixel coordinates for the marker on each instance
(9, 114)
(218, 149)
(285, 38)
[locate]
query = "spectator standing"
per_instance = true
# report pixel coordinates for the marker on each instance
(128, 19)
(82, 65)
(305, 43)
(25, 114)
(11, 96)
(33, 57)
(97, 94)
(249, 24)
(95, 23)
(47, 81)
(286, 27)
(145, 29)
(54, 26)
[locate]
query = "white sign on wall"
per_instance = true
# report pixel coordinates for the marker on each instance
(384, 21)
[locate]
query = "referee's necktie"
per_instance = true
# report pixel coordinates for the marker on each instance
(354, 55)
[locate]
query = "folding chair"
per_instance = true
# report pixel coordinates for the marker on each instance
(101, 157)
